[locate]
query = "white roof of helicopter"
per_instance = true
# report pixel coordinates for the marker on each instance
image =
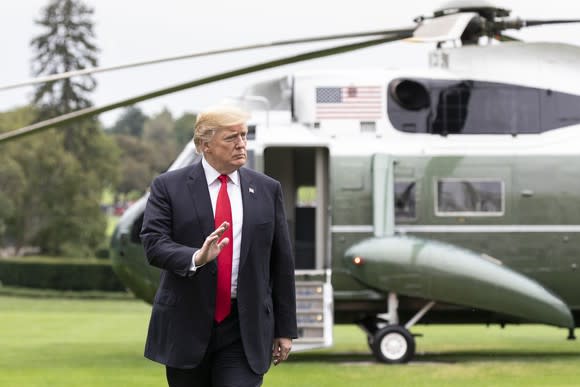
(541, 65)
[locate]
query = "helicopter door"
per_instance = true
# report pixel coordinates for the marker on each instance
(303, 173)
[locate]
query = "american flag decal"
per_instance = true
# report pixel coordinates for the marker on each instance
(349, 102)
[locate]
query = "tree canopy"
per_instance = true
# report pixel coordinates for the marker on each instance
(66, 44)
(52, 183)
(65, 170)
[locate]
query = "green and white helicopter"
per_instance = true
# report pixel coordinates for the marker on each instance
(444, 195)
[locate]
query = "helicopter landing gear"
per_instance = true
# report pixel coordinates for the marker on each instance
(393, 344)
(389, 341)
(571, 335)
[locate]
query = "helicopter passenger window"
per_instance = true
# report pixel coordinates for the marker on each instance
(469, 197)
(405, 200)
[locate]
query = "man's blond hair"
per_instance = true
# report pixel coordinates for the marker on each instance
(214, 118)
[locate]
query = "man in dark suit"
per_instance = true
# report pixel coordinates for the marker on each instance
(219, 322)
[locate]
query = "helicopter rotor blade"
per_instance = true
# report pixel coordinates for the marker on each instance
(533, 23)
(516, 24)
(94, 70)
(83, 113)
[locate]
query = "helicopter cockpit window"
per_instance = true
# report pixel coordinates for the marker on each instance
(475, 107)
(469, 197)
(501, 109)
(405, 200)
(452, 108)
(559, 109)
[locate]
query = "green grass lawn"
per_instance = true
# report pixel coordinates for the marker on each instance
(58, 342)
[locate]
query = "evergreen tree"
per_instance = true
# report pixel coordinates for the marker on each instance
(78, 162)
(65, 45)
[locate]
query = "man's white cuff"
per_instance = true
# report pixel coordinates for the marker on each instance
(193, 267)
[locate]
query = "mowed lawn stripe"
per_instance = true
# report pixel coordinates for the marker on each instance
(94, 343)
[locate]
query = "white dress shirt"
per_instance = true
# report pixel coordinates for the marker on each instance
(235, 195)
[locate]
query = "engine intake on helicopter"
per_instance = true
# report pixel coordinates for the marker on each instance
(410, 95)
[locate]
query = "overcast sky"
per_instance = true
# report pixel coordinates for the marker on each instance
(135, 30)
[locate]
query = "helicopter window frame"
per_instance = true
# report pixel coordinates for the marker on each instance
(479, 204)
(518, 109)
(411, 202)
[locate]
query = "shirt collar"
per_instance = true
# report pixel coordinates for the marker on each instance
(211, 174)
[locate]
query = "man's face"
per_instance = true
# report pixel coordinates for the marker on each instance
(226, 151)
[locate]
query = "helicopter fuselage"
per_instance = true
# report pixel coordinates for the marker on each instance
(458, 185)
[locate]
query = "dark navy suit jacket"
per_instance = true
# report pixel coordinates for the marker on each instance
(178, 218)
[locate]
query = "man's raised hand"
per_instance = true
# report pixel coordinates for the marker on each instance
(211, 247)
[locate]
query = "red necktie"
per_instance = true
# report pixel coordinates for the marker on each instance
(223, 213)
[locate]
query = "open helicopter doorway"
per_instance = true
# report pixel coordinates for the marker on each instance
(303, 173)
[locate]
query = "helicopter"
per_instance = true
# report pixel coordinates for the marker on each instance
(447, 195)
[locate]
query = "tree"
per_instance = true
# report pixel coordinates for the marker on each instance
(145, 155)
(14, 180)
(46, 200)
(184, 129)
(12, 185)
(130, 122)
(136, 164)
(66, 45)
(68, 169)
(159, 135)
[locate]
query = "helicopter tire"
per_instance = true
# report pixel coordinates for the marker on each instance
(393, 344)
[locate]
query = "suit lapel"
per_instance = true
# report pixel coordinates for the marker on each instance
(199, 193)
(249, 203)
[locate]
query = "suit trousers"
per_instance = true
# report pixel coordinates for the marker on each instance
(224, 363)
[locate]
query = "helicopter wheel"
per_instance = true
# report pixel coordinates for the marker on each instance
(393, 344)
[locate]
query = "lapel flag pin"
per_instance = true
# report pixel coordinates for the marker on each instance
(251, 190)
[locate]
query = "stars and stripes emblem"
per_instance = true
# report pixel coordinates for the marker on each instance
(349, 102)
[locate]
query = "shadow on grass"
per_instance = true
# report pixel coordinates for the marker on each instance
(459, 357)
(334, 357)
(14, 291)
(494, 356)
